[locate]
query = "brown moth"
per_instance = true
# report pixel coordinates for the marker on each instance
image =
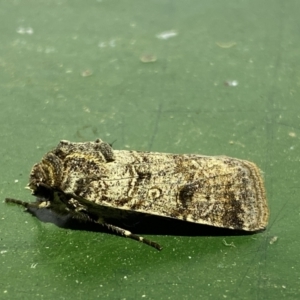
(92, 182)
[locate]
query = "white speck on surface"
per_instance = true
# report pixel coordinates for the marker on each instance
(29, 30)
(237, 143)
(231, 83)
(273, 240)
(87, 73)
(21, 30)
(16, 180)
(147, 58)
(24, 30)
(112, 43)
(49, 50)
(292, 134)
(166, 34)
(102, 45)
(225, 44)
(3, 251)
(86, 109)
(33, 265)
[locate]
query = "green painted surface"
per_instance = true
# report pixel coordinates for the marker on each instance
(179, 104)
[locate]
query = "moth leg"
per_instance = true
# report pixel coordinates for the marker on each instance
(85, 217)
(128, 234)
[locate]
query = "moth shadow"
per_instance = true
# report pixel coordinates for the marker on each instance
(138, 224)
(155, 225)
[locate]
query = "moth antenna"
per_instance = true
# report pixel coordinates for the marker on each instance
(130, 235)
(18, 202)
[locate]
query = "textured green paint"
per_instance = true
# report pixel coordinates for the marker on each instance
(177, 104)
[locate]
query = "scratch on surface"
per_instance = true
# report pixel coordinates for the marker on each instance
(155, 127)
(228, 245)
(33, 265)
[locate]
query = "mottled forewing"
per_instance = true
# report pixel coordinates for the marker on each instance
(218, 191)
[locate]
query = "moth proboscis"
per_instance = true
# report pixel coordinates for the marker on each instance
(92, 182)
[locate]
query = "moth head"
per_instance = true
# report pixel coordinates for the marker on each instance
(46, 173)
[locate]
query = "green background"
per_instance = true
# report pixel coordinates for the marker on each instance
(180, 103)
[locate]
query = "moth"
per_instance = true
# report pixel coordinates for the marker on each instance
(92, 182)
